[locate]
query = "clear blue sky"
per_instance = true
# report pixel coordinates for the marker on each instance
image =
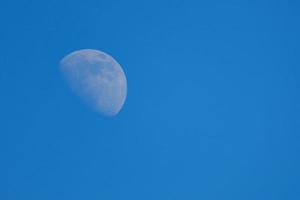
(213, 107)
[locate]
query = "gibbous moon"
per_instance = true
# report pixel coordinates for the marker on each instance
(97, 78)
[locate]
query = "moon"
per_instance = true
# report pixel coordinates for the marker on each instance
(97, 78)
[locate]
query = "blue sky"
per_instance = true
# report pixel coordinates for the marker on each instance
(213, 106)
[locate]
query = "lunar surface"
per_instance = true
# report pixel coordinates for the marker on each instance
(97, 78)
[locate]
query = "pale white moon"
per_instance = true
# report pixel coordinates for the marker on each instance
(97, 78)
